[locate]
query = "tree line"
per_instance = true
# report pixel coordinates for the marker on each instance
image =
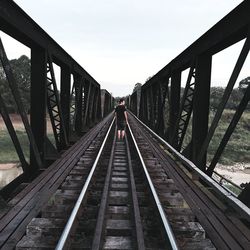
(216, 94)
(21, 70)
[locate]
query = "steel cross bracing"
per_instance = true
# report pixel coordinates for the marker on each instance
(54, 107)
(185, 110)
(73, 107)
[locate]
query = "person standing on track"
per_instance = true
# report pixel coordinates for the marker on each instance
(121, 118)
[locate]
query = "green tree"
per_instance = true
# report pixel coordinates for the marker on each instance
(243, 84)
(216, 94)
(137, 86)
(21, 71)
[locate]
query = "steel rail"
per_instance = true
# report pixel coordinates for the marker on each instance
(235, 202)
(167, 227)
(97, 241)
(136, 210)
(67, 230)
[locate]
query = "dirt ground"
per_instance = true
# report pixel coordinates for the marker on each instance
(18, 124)
(238, 173)
(6, 166)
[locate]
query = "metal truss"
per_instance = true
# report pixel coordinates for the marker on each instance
(44, 93)
(185, 109)
(73, 107)
(233, 28)
(54, 108)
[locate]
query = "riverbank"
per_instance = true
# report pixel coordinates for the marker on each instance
(9, 172)
(238, 173)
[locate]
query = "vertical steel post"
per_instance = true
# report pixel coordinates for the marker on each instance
(96, 103)
(79, 112)
(65, 97)
(91, 105)
(148, 108)
(163, 89)
(174, 103)
(201, 106)
(151, 106)
(142, 107)
(87, 91)
(38, 102)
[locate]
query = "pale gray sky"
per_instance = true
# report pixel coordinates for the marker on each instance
(121, 42)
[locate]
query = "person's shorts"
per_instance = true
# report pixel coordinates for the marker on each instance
(121, 125)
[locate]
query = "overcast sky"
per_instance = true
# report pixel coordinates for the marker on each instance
(122, 42)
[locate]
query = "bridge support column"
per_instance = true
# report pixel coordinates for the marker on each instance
(79, 113)
(201, 107)
(151, 104)
(38, 102)
(175, 90)
(163, 86)
(65, 97)
(96, 103)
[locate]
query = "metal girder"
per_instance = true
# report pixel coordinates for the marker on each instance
(65, 97)
(161, 123)
(174, 103)
(160, 127)
(15, 92)
(106, 103)
(87, 106)
(78, 115)
(185, 110)
(16, 23)
(142, 107)
(201, 107)
(134, 102)
(73, 107)
(148, 103)
(38, 100)
(103, 92)
(151, 107)
(54, 107)
(95, 107)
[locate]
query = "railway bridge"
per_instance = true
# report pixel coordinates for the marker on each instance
(153, 190)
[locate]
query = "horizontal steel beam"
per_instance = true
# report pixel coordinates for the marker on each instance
(16, 23)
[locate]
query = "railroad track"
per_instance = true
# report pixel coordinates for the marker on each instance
(44, 197)
(212, 216)
(137, 193)
(117, 207)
